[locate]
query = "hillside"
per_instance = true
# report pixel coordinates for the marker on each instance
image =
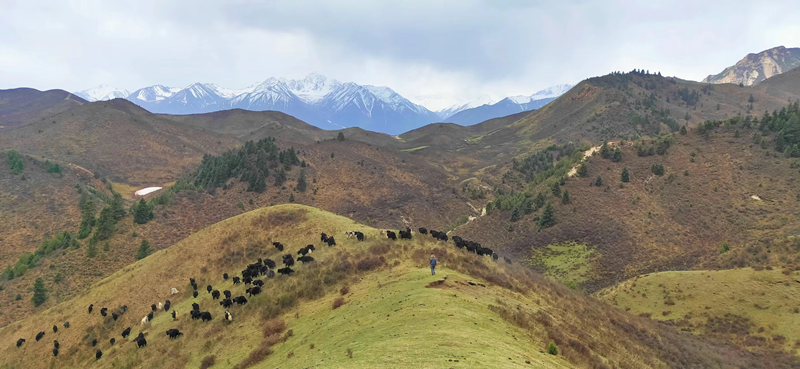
(472, 298)
(20, 106)
(757, 67)
(119, 140)
(715, 189)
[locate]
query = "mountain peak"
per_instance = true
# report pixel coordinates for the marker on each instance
(756, 67)
(102, 92)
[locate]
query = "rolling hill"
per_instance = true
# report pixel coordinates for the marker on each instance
(23, 105)
(493, 315)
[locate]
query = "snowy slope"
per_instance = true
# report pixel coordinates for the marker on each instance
(480, 101)
(103, 92)
(313, 88)
(152, 94)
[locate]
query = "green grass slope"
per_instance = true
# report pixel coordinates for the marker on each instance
(754, 308)
(473, 313)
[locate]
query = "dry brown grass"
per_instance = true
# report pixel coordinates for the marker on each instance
(208, 362)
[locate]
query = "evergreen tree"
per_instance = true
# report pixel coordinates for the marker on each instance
(280, 177)
(91, 249)
(332, 156)
(556, 189)
(538, 201)
(106, 246)
(144, 250)
(683, 130)
(301, 182)
(340, 137)
(548, 218)
(583, 171)
(258, 182)
(88, 211)
(291, 197)
(39, 292)
(15, 162)
(605, 151)
(565, 199)
(118, 206)
(625, 176)
(142, 212)
(687, 117)
(598, 182)
(658, 169)
(105, 224)
(751, 99)
(617, 156)
(515, 215)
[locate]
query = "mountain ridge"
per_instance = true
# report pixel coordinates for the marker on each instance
(756, 67)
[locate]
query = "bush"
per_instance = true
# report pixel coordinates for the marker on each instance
(208, 362)
(583, 171)
(18, 297)
(552, 349)
(338, 302)
(15, 161)
(625, 176)
(344, 290)
(274, 327)
(725, 248)
(368, 264)
(658, 169)
(598, 182)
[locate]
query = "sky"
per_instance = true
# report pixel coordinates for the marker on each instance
(439, 52)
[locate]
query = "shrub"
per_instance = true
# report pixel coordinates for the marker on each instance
(274, 327)
(15, 161)
(368, 263)
(344, 290)
(583, 171)
(552, 349)
(565, 199)
(625, 176)
(340, 137)
(338, 302)
(18, 297)
(256, 356)
(725, 248)
(350, 353)
(658, 169)
(208, 362)
(598, 182)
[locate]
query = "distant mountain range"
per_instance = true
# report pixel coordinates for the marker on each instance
(755, 68)
(321, 101)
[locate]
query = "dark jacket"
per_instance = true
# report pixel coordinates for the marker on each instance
(433, 262)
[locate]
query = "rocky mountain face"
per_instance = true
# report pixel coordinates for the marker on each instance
(755, 68)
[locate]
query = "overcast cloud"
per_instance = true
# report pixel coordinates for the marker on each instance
(417, 47)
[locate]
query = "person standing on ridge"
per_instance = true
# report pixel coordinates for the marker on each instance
(433, 264)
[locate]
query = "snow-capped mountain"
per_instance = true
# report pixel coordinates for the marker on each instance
(103, 92)
(507, 106)
(152, 94)
(313, 88)
(480, 101)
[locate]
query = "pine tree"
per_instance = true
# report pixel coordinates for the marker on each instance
(340, 137)
(687, 117)
(598, 182)
(39, 292)
(617, 156)
(258, 182)
(144, 250)
(142, 212)
(280, 177)
(605, 151)
(118, 206)
(683, 130)
(625, 176)
(583, 171)
(538, 201)
(301, 182)
(548, 218)
(105, 224)
(91, 249)
(565, 199)
(751, 99)
(106, 246)
(88, 211)
(556, 189)
(291, 197)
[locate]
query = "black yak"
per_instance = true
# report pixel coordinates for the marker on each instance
(174, 333)
(205, 316)
(227, 294)
(225, 276)
(423, 231)
(236, 280)
(39, 336)
(195, 306)
(252, 291)
(126, 332)
(330, 241)
(209, 288)
(55, 328)
(391, 235)
(167, 304)
(98, 354)
(286, 271)
(241, 300)
(91, 307)
(226, 303)
(214, 294)
(20, 342)
(305, 259)
(194, 294)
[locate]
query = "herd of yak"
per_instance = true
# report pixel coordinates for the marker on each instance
(265, 267)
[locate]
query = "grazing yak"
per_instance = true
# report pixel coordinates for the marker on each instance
(405, 235)
(236, 280)
(66, 324)
(391, 235)
(507, 260)
(112, 341)
(241, 300)
(39, 336)
(173, 291)
(495, 256)
(330, 241)
(55, 351)
(205, 316)
(140, 340)
(126, 332)
(285, 271)
(144, 320)
(225, 276)
(153, 307)
(252, 291)
(209, 288)
(288, 260)
(56, 344)
(270, 274)
(269, 263)
(194, 294)
(247, 280)
(194, 286)
(103, 311)
(173, 333)
(167, 304)
(303, 251)
(195, 314)
(226, 303)
(305, 259)
(98, 354)
(94, 342)
(55, 328)
(174, 315)
(259, 282)
(360, 236)
(150, 316)
(115, 316)
(214, 295)
(160, 306)
(91, 307)
(227, 294)
(423, 231)
(323, 237)
(20, 342)
(195, 306)
(228, 316)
